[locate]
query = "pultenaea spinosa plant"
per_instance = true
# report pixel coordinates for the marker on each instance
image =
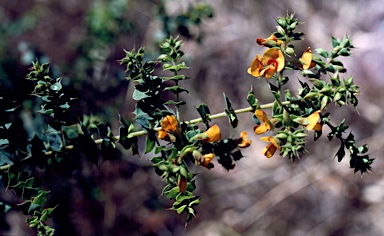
(177, 144)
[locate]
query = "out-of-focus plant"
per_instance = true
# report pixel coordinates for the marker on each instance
(177, 145)
(185, 24)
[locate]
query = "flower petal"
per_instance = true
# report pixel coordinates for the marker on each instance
(307, 58)
(269, 150)
(255, 67)
(263, 118)
(162, 134)
(280, 62)
(169, 123)
(261, 115)
(213, 134)
(207, 160)
(313, 121)
(260, 129)
(245, 142)
(276, 55)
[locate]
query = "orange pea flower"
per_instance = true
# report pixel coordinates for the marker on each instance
(207, 158)
(162, 134)
(314, 123)
(169, 127)
(271, 148)
(213, 134)
(266, 124)
(266, 66)
(244, 141)
(270, 41)
(306, 59)
(169, 123)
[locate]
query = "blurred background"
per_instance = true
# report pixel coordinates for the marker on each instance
(83, 41)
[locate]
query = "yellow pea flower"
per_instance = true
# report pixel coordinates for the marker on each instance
(169, 123)
(213, 134)
(162, 134)
(313, 121)
(244, 141)
(207, 158)
(306, 58)
(263, 118)
(271, 148)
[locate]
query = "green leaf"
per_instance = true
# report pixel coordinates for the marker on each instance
(230, 112)
(335, 42)
(275, 91)
(172, 102)
(322, 52)
(5, 158)
(138, 95)
(88, 146)
(54, 139)
(237, 155)
(134, 146)
(363, 149)
(142, 118)
(175, 78)
(56, 86)
(33, 207)
(176, 89)
(340, 153)
(180, 209)
(204, 113)
(253, 102)
(125, 130)
(171, 194)
(149, 143)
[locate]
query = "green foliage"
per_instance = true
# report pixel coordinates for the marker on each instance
(175, 144)
(230, 112)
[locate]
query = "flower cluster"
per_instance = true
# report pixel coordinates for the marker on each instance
(293, 116)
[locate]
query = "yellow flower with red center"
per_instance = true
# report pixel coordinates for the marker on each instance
(244, 141)
(271, 148)
(270, 41)
(265, 123)
(266, 66)
(313, 121)
(213, 134)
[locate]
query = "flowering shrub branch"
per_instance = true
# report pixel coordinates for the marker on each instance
(177, 145)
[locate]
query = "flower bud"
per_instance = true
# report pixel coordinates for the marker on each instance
(282, 22)
(280, 30)
(290, 51)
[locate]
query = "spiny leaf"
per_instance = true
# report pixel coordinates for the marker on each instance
(204, 113)
(230, 112)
